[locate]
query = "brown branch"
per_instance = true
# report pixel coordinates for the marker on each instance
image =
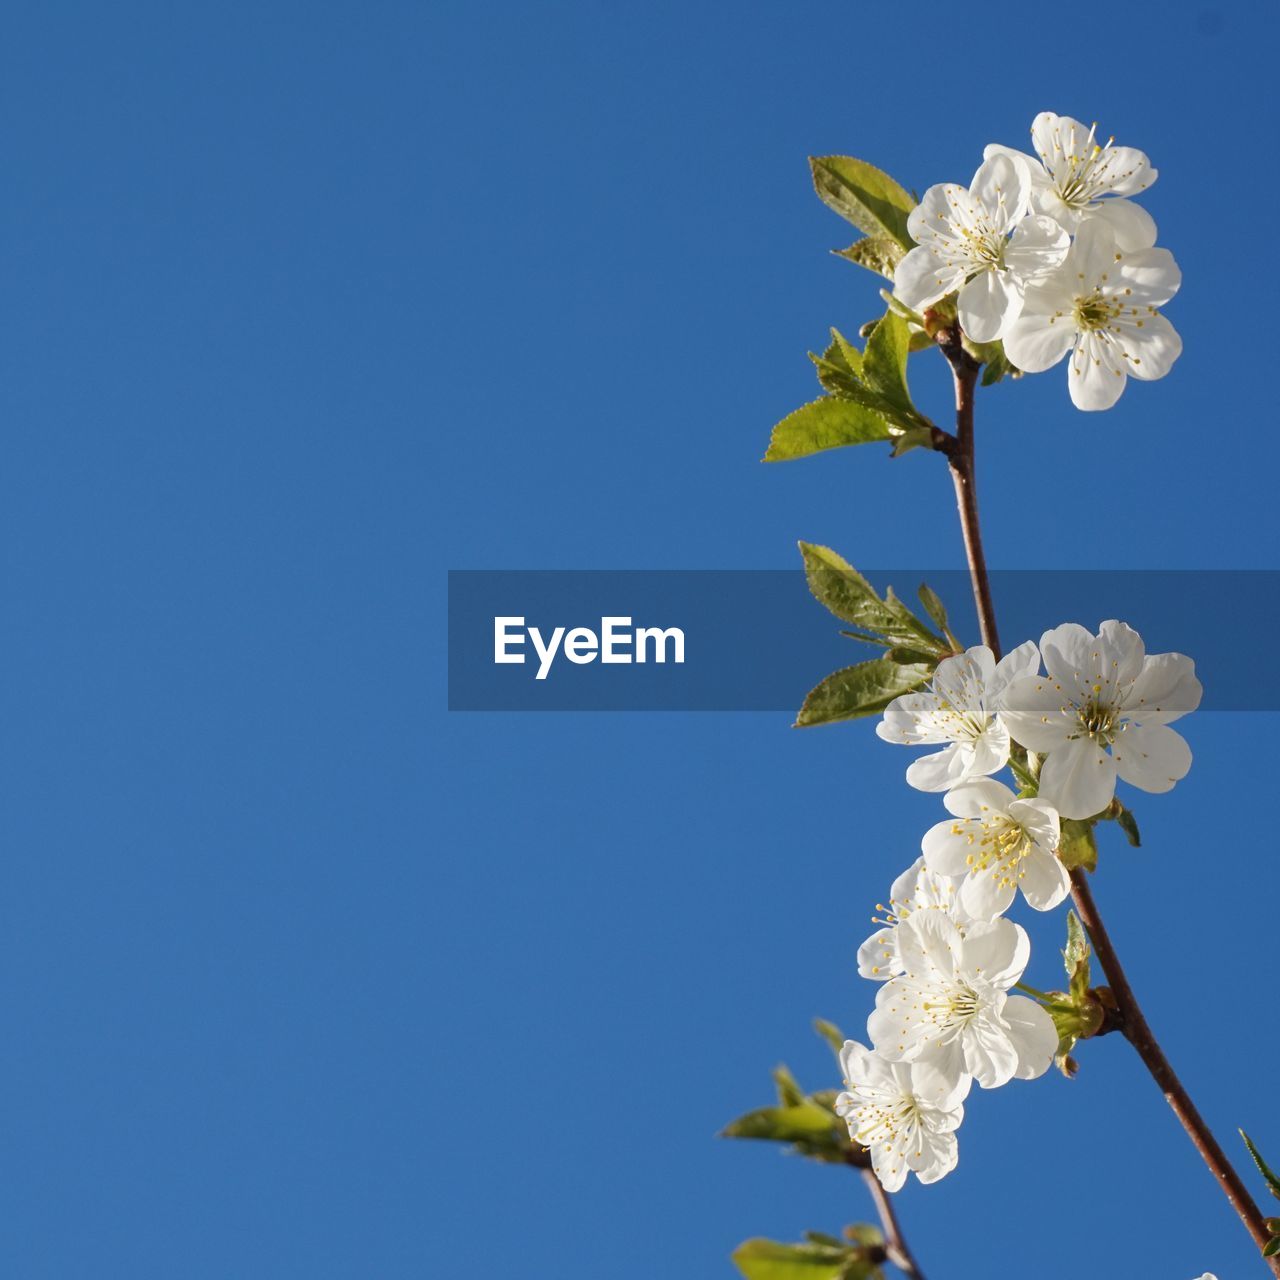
(1130, 1016)
(1139, 1034)
(896, 1249)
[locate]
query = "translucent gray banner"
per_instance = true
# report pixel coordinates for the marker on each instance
(757, 640)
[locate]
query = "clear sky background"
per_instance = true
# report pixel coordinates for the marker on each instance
(302, 305)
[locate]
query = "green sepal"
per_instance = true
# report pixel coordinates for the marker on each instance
(1078, 847)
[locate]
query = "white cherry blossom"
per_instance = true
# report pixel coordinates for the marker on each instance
(1076, 177)
(1102, 305)
(1103, 711)
(961, 709)
(950, 1009)
(963, 243)
(905, 1115)
(916, 889)
(998, 844)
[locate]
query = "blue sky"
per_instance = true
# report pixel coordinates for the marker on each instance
(303, 305)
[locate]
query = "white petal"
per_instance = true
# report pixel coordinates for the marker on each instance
(988, 894)
(946, 845)
(1093, 254)
(1095, 378)
(1133, 227)
(1166, 689)
(988, 304)
(1038, 246)
(1152, 757)
(976, 797)
(937, 772)
(931, 218)
(1151, 276)
(1002, 186)
(1038, 712)
(878, 956)
(935, 1157)
(1039, 819)
(912, 718)
(1151, 349)
(1019, 662)
(1033, 1035)
(997, 952)
(889, 1167)
(1123, 171)
(989, 1053)
(928, 943)
(1068, 652)
(940, 1088)
(1078, 779)
(1035, 169)
(1045, 881)
(1037, 341)
(922, 277)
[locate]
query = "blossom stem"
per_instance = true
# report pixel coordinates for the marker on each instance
(959, 452)
(895, 1246)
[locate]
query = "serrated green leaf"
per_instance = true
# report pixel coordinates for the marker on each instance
(1273, 1183)
(834, 374)
(933, 606)
(830, 1033)
(848, 352)
(829, 423)
(863, 195)
(761, 1259)
(884, 364)
(862, 690)
(877, 253)
(839, 587)
(1078, 847)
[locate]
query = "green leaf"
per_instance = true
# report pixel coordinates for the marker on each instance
(933, 606)
(830, 1033)
(912, 438)
(1273, 1183)
(996, 367)
(1271, 1248)
(863, 690)
(877, 253)
(848, 352)
(863, 195)
(790, 1094)
(839, 587)
(884, 364)
(1078, 848)
(829, 423)
(761, 1259)
(834, 375)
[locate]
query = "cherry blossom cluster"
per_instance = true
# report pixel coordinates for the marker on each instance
(1049, 254)
(945, 956)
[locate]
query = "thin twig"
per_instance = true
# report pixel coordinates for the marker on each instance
(1132, 1021)
(895, 1245)
(1138, 1032)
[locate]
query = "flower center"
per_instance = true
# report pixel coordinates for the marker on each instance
(1098, 720)
(1001, 847)
(881, 1123)
(1096, 311)
(954, 1007)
